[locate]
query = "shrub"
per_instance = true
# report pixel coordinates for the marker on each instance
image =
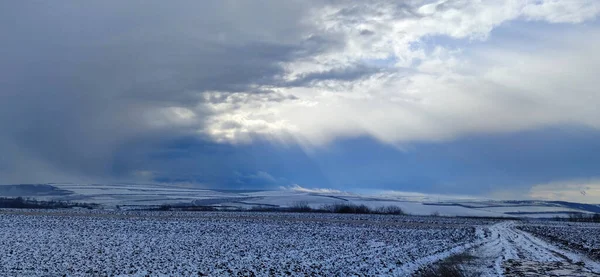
(198, 208)
(301, 207)
(389, 210)
(164, 207)
(344, 208)
(581, 217)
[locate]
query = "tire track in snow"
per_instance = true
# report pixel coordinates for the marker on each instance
(512, 252)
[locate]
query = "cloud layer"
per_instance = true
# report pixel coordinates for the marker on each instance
(435, 72)
(105, 91)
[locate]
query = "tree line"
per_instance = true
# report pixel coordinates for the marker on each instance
(26, 203)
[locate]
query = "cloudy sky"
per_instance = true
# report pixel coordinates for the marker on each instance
(489, 98)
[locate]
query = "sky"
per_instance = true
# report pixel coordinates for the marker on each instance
(487, 98)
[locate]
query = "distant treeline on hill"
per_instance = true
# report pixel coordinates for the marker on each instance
(300, 207)
(24, 203)
(580, 217)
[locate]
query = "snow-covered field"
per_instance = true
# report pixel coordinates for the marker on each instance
(578, 235)
(172, 243)
(88, 243)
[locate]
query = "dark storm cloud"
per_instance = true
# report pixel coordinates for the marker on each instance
(261, 164)
(81, 81)
(475, 165)
(348, 73)
(363, 11)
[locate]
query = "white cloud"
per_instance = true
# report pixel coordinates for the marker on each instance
(573, 11)
(433, 92)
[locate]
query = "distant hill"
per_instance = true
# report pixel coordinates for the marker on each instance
(30, 190)
(152, 195)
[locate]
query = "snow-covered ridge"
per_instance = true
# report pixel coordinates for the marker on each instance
(123, 195)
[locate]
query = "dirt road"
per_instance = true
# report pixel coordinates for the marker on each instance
(512, 252)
